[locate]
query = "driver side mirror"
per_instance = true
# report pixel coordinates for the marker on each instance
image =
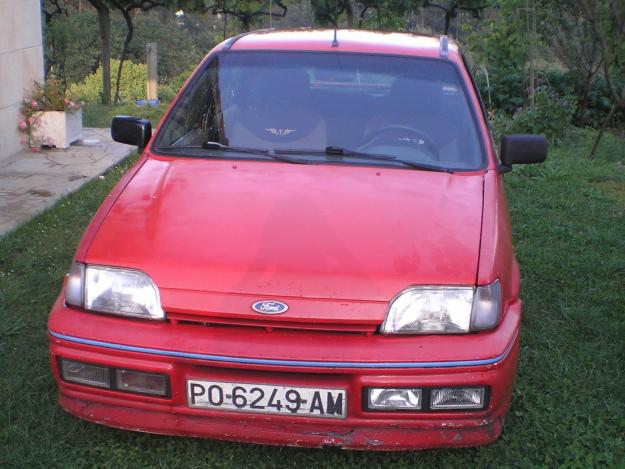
(522, 149)
(131, 130)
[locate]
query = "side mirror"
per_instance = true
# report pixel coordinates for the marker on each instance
(131, 130)
(523, 149)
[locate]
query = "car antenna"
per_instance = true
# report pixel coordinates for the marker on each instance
(335, 42)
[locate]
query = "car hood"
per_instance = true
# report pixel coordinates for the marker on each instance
(219, 233)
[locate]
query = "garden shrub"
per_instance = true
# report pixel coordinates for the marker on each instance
(506, 92)
(166, 93)
(179, 80)
(592, 107)
(550, 116)
(133, 83)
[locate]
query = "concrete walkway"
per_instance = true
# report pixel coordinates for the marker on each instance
(32, 182)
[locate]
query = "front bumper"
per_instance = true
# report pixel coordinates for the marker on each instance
(346, 362)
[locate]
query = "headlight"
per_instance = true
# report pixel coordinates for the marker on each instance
(113, 290)
(443, 310)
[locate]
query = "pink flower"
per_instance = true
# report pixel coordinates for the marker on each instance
(72, 103)
(22, 125)
(36, 149)
(31, 120)
(23, 142)
(34, 104)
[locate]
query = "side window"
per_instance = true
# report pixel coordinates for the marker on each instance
(198, 116)
(482, 106)
(475, 88)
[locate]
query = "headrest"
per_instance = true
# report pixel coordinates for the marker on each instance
(279, 87)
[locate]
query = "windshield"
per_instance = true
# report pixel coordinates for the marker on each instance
(409, 108)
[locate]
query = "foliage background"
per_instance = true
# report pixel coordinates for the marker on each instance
(134, 76)
(533, 79)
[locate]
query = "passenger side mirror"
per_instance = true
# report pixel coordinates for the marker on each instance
(131, 130)
(522, 149)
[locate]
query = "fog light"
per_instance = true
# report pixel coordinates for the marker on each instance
(86, 373)
(457, 398)
(145, 383)
(394, 398)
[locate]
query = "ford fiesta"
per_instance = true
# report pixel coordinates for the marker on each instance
(313, 249)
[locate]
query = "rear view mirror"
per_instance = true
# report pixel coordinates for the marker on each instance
(131, 130)
(523, 149)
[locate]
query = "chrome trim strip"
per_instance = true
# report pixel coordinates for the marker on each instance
(297, 363)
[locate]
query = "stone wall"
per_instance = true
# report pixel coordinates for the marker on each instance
(21, 63)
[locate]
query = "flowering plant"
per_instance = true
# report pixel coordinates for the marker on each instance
(48, 96)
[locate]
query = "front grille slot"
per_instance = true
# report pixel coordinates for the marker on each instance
(268, 324)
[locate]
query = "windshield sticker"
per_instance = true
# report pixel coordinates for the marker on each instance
(280, 132)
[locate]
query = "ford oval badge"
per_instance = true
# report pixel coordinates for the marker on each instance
(269, 307)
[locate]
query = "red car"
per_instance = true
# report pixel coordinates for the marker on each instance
(313, 249)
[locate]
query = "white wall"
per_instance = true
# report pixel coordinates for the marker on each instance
(21, 62)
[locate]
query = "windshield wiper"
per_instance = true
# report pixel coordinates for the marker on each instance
(220, 146)
(345, 153)
(279, 154)
(216, 146)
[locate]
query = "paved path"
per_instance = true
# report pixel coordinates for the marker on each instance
(32, 182)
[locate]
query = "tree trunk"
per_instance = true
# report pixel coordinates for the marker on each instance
(531, 31)
(604, 126)
(104, 22)
(349, 13)
(246, 22)
(129, 34)
(585, 93)
(448, 16)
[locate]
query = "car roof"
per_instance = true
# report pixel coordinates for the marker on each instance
(376, 42)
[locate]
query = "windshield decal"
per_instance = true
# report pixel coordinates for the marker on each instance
(280, 132)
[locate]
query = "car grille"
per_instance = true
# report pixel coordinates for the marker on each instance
(270, 325)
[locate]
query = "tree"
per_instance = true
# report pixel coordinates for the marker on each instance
(575, 44)
(104, 23)
(608, 23)
(451, 9)
(607, 29)
(52, 8)
(246, 11)
(328, 12)
(125, 7)
(71, 46)
(104, 8)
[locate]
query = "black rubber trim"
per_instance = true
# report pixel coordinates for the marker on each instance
(234, 39)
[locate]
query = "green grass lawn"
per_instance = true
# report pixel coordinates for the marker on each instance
(569, 404)
(100, 115)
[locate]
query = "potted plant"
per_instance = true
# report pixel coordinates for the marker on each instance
(51, 119)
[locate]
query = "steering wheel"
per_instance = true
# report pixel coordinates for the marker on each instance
(402, 135)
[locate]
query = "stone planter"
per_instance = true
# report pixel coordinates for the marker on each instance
(56, 128)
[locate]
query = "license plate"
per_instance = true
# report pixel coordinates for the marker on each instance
(268, 399)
